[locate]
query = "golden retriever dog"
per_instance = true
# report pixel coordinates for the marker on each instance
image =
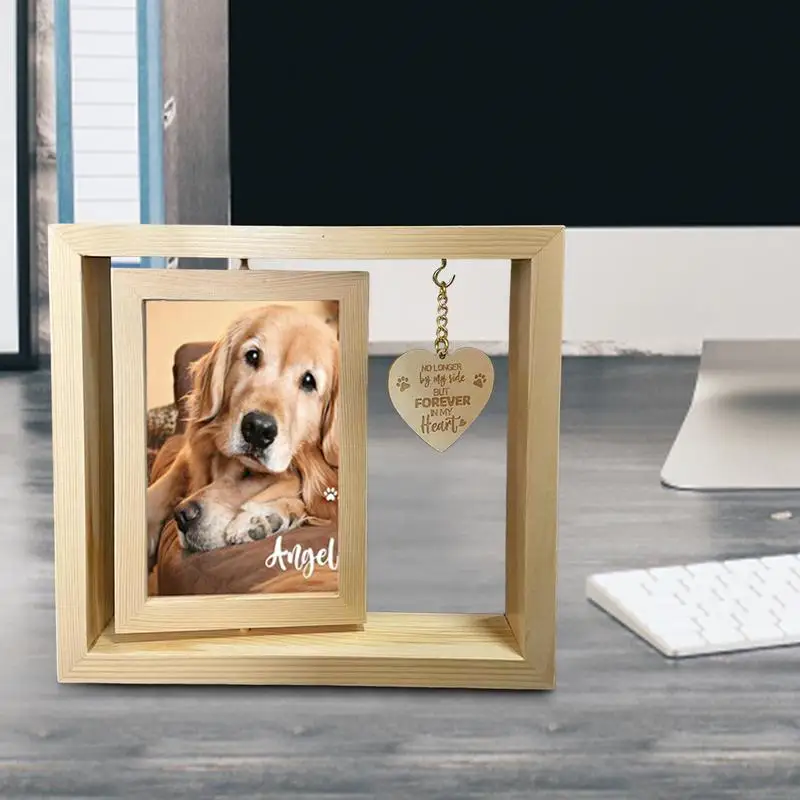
(240, 505)
(263, 418)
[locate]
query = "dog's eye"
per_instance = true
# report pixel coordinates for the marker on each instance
(253, 357)
(308, 383)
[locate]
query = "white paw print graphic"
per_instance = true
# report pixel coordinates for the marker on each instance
(330, 494)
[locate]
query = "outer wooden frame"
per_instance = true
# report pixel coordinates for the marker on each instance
(135, 612)
(514, 650)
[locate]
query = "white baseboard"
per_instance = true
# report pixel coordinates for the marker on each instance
(610, 348)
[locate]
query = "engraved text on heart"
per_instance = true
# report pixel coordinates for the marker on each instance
(439, 399)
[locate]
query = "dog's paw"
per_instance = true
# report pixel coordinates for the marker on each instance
(331, 494)
(256, 523)
(250, 527)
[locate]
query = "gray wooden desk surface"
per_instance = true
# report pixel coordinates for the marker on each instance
(623, 723)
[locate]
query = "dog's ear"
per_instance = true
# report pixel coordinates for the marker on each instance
(331, 314)
(208, 374)
(330, 419)
(316, 477)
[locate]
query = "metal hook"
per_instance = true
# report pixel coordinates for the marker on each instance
(439, 283)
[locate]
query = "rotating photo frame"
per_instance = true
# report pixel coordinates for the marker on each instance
(209, 435)
(251, 489)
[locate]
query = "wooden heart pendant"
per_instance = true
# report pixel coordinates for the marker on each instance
(439, 398)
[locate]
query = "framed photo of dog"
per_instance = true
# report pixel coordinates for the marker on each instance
(253, 502)
(209, 439)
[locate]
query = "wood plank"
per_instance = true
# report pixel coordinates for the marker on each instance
(427, 650)
(520, 347)
(532, 453)
(99, 441)
(82, 448)
(70, 500)
(541, 494)
(308, 243)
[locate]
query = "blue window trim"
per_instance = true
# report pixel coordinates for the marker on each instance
(63, 79)
(151, 150)
(151, 126)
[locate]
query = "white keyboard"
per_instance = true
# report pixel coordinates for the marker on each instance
(712, 607)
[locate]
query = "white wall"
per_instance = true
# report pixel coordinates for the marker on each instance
(9, 320)
(644, 290)
(105, 110)
(665, 290)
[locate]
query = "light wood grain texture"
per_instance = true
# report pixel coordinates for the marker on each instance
(520, 355)
(537, 633)
(532, 496)
(82, 453)
(99, 441)
(440, 398)
(425, 650)
(70, 512)
(407, 651)
(136, 612)
(209, 241)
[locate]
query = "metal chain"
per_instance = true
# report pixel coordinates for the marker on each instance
(441, 343)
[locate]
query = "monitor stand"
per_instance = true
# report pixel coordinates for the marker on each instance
(742, 430)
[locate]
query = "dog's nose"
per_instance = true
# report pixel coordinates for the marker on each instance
(259, 430)
(186, 514)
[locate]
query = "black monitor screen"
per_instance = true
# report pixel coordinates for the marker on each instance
(578, 114)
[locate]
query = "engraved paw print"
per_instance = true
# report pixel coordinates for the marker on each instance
(330, 494)
(480, 379)
(403, 384)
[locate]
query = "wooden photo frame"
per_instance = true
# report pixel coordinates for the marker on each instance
(514, 650)
(133, 292)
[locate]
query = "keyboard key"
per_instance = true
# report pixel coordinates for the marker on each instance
(742, 565)
(674, 626)
(671, 574)
(759, 602)
(790, 626)
(707, 570)
(779, 562)
(752, 620)
(660, 606)
(720, 618)
(632, 595)
(722, 637)
(762, 633)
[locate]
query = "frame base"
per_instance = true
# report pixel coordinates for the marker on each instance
(742, 430)
(419, 650)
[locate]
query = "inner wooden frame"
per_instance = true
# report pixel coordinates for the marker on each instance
(135, 610)
(511, 650)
